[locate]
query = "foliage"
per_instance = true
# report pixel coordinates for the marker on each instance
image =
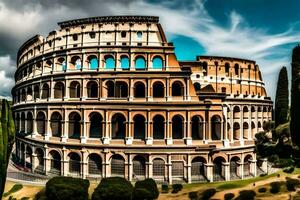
(145, 190)
(114, 188)
(246, 194)
(14, 189)
(67, 188)
(207, 194)
(165, 188)
(275, 187)
(228, 196)
(7, 137)
(295, 97)
(289, 170)
(291, 184)
(282, 98)
(193, 195)
(176, 188)
(41, 195)
(25, 198)
(268, 126)
(262, 190)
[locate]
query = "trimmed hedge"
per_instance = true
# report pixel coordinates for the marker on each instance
(207, 194)
(289, 170)
(291, 184)
(114, 188)
(146, 189)
(164, 188)
(193, 195)
(67, 188)
(262, 190)
(275, 187)
(176, 188)
(228, 196)
(246, 194)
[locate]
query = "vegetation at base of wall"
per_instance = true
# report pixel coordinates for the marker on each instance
(262, 190)
(41, 195)
(228, 196)
(246, 194)
(207, 194)
(7, 137)
(291, 184)
(67, 188)
(113, 188)
(275, 187)
(176, 188)
(14, 189)
(193, 195)
(289, 170)
(164, 188)
(228, 186)
(145, 190)
(25, 198)
(282, 98)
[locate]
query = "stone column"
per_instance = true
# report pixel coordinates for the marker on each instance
(130, 168)
(227, 170)
(169, 130)
(149, 137)
(84, 164)
(129, 136)
(65, 163)
(65, 124)
(188, 135)
(169, 165)
(150, 169)
(33, 163)
(264, 165)
(209, 172)
(48, 133)
(189, 169)
(253, 167)
(83, 136)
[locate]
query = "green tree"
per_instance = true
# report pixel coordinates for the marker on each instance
(7, 137)
(295, 97)
(282, 98)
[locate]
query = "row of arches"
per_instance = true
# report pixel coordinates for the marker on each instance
(111, 88)
(261, 112)
(238, 168)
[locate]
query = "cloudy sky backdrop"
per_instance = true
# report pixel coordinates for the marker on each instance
(261, 30)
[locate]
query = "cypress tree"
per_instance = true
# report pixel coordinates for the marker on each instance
(282, 98)
(7, 136)
(295, 97)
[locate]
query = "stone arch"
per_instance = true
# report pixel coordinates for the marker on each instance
(158, 169)
(75, 63)
(245, 112)
(40, 161)
(219, 170)
(92, 89)
(117, 165)
(177, 88)
(236, 131)
(157, 62)
(41, 123)
(93, 62)
(56, 124)
(125, 64)
(245, 130)
(216, 124)
(158, 127)
(74, 163)
(139, 127)
(140, 62)
(234, 168)
(29, 122)
(75, 89)
(139, 90)
(96, 125)
(28, 157)
(236, 112)
(74, 125)
(158, 90)
(59, 90)
(36, 92)
(94, 164)
(177, 127)
(197, 127)
(45, 91)
(247, 165)
(118, 126)
(139, 167)
(198, 169)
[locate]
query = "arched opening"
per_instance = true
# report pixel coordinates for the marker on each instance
(17, 122)
(95, 165)
(139, 90)
(56, 124)
(245, 112)
(125, 62)
(140, 63)
(74, 89)
(110, 62)
(236, 112)
(227, 68)
(158, 169)
(118, 125)
(28, 158)
(75, 63)
(121, 90)
(197, 128)
(216, 127)
(59, 90)
(139, 127)
(204, 68)
(177, 170)
(45, 91)
(157, 62)
(74, 164)
(245, 130)
(110, 86)
(158, 127)
(55, 164)
(177, 127)
(197, 86)
(40, 161)
(29, 122)
(198, 169)
(234, 168)
(36, 92)
(253, 132)
(177, 89)
(74, 125)
(61, 64)
(219, 171)
(139, 167)
(158, 90)
(92, 87)
(253, 114)
(247, 165)
(96, 122)
(23, 95)
(117, 166)
(41, 123)
(236, 69)
(236, 131)
(259, 126)
(29, 94)
(23, 119)
(93, 62)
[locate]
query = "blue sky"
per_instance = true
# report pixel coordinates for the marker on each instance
(261, 30)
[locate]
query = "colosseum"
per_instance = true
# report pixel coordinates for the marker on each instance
(106, 96)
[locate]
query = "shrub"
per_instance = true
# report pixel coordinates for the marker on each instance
(264, 174)
(207, 194)
(14, 189)
(165, 188)
(283, 162)
(25, 198)
(289, 170)
(40, 195)
(273, 158)
(228, 196)
(262, 190)
(67, 188)
(193, 195)
(150, 186)
(275, 187)
(114, 188)
(246, 194)
(291, 184)
(176, 188)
